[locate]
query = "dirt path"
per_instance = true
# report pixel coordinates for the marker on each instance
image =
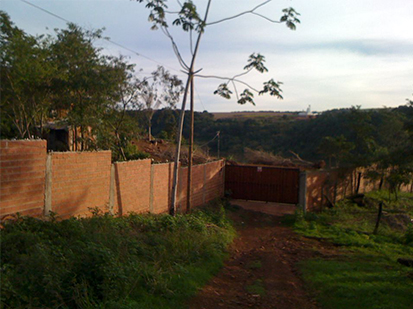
(262, 271)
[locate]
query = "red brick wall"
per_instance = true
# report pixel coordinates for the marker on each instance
(182, 189)
(198, 184)
(215, 179)
(315, 183)
(80, 180)
(207, 184)
(162, 187)
(132, 186)
(22, 180)
(335, 184)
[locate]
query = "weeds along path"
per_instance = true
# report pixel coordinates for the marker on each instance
(262, 269)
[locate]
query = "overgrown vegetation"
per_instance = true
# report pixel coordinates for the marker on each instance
(366, 273)
(137, 261)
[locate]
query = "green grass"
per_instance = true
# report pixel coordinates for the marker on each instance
(366, 273)
(359, 281)
(137, 261)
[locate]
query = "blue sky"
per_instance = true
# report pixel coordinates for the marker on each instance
(344, 53)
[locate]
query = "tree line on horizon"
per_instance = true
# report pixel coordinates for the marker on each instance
(343, 138)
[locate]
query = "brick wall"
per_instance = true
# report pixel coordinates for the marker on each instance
(215, 180)
(132, 186)
(198, 173)
(324, 187)
(22, 178)
(162, 187)
(69, 183)
(80, 180)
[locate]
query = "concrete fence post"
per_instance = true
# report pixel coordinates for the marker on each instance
(302, 191)
(112, 189)
(48, 186)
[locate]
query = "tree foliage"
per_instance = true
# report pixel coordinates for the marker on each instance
(26, 76)
(159, 89)
(330, 134)
(66, 80)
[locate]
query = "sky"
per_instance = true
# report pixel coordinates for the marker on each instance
(344, 53)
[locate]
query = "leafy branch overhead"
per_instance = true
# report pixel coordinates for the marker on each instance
(223, 91)
(272, 88)
(255, 61)
(246, 97)
(189, 18)
(290, 18)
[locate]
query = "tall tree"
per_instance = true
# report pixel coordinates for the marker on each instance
(335, 147)
(26, 75)
(87, 83)
(161, 89)
(65, 79)
(118, 128)
(189, 19)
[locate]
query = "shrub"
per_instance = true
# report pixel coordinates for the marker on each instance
(138, 261)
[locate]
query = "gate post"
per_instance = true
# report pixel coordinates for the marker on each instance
(302, 191)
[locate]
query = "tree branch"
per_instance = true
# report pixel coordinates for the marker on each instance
(175, 49)
(266, 18)
(229, 79)
(235, 89)
(240, 14)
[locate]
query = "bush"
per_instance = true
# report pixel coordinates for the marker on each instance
(133, 153)
(408, 236)
(138, 261)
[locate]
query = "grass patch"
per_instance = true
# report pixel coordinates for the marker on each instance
(136, 261)
(359, 282)
(367, 275)
(257, 288)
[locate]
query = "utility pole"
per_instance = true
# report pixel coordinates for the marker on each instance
(190, 150)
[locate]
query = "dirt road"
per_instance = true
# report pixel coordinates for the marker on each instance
(262, 270)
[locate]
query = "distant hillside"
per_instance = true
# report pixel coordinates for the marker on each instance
(243, 115)
(364, 132)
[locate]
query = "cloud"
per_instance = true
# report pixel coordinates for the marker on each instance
(365, 47)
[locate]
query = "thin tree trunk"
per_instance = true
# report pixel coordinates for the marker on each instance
(190, 150)
(172, 210)
(381, 181)
(378, 218)
(358, 182)
(181, 118)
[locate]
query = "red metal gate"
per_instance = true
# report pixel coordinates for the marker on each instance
(263, 183)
